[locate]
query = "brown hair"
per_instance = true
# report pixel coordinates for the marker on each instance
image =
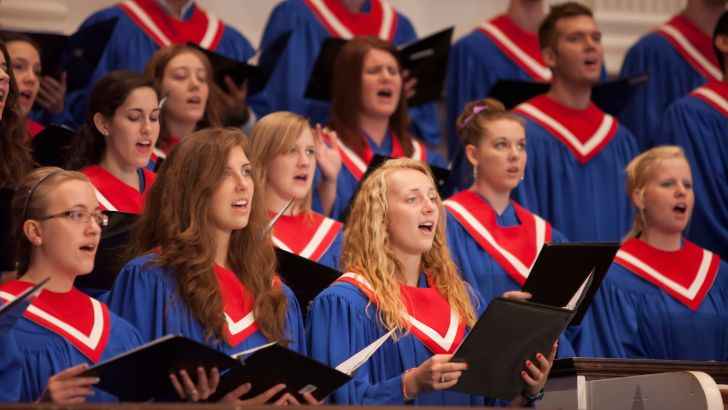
(272, 135)
(547, 34)
(176, 220)
(15, 158)
(472, 122)
(367, 250)
(155, 70)
(346, 91)
(721, 29)
(640, 170)
(31, 201)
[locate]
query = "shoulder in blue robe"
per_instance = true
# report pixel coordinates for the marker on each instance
(632, 318)
(146, 295)
(585, 202)
(702, 132)
(10, 360)
(332, 255)
(670, 77)
(342, 322)
(287, 85)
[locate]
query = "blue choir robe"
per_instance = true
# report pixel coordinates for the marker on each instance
(354, 166)
(494, 253)
(10, 359)
(699, 124)
(575, 172)
(143, 26)
(310, 235)
(62, 330)
(497, 50)
(678, 58)
(310, 23)
(147, 296)
(659, 305)
(344, 320)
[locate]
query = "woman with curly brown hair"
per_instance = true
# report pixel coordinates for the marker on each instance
(399, 277)
(206, 266)
(15, 159)
(183, 77)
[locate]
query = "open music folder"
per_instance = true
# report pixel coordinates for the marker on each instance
(142, 374)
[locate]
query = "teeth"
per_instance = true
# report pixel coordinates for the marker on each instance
(240, 203)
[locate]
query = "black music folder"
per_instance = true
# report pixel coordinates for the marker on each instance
(110, 254)
(52, 146)
(425, 58)
(569, 272)
(507, 334)
(305, 277)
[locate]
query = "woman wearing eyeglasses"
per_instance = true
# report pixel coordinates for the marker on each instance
(58, 223)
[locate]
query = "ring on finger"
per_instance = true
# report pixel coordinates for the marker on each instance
(442, 378)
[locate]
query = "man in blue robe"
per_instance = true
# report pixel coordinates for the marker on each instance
(576, 153)
(698, 123)
(310, 22)
(678, 57)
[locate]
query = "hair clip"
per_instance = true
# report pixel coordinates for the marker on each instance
(476, 110)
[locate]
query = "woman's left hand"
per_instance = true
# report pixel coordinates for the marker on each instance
(52, 94)
(205, 387)
(517, 295)
(536, 373)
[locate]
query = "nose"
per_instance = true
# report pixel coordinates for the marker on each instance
(303, 159)
(429, 206)
(680, 190)
(92, 227)
(242, 183)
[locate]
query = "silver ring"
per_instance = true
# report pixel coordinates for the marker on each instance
(442, 378)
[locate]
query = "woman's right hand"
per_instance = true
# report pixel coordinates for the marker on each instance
(435, 373)
(259, 400)
(188, 390)
(67, 387)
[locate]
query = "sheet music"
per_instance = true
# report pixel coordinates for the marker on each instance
(251, 351)
(350, 365)
(579, 295)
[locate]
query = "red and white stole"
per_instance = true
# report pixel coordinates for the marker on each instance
(715, 94)
(584, 132)
(518, 45)
(113, 194)
(432, 319)
(309, 234)
(358, 165)
(33, 128)
(693, 45)
(81, 320)
(515, 248)
(380, 21)
(202, 28)
(687, 275)
(238, 305)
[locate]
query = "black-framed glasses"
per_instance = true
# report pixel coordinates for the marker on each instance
(80, 216)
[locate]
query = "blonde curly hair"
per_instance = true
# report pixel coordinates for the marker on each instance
(367, 251)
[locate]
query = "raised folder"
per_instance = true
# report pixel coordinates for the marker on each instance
(425, 58)
(52, 147)
(305, 277)
(142, 374)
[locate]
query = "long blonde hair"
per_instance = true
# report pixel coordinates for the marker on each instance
(367, 250)
(639, 171)
(272, 136)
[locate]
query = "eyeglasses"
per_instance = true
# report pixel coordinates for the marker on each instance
(80, 216)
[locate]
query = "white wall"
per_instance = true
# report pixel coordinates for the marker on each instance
(622, 21)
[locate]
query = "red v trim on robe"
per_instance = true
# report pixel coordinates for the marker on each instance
(584, 132)
(715, 95)
(431, 319)
(518, 45)
(380, 21)
(358, 165)
(88, 331)
(687, 275)
(515, 248)
(238, 305)
(202, 28)
(320, 231)
(113, 194)
(693, 45)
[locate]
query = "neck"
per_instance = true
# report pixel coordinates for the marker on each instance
(410, 264)
(40, 269)
(375, 127)
(175, 7)
(663, 241)
(704, 14)
(124, 172)
(498, 200)
(576, 96)
(526, 14)
(354, 6)
(180, 129)
(222, 247)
